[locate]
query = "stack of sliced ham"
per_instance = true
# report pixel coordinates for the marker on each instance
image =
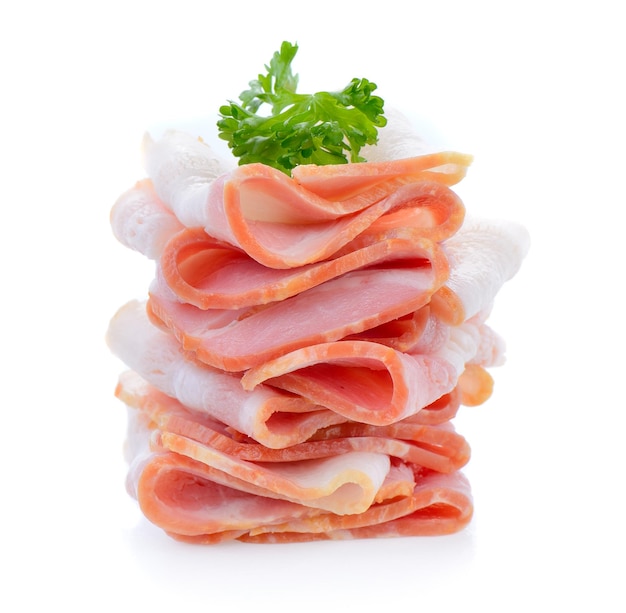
(305, 344)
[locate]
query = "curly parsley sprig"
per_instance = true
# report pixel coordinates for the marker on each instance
(321, 128)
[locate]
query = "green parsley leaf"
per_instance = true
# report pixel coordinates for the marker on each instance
(322, 128)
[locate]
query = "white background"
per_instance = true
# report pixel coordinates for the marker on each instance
(533, 89)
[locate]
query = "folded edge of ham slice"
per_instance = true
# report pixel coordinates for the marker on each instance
(177, 493)
(208, 273)
(279, 222)
(323, 313)
(363, 381)
(442, 505)
(343, 484)
(197, 502)
(182, 168)
(142, 222)
(283, 225)
(483, 255)
(439, 505)
(265, 414)
(436, 447)
(348, 184)
(376, 384)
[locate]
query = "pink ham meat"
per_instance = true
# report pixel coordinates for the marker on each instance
(401, 333)
(205, 492)
(236, 341)
(440, 504)
(282, 224)
(267, 415)
(436, 447)
(272, 417)
(347, 183)
(368, 382)
(306, 342)
(210, 274)
(361, 380)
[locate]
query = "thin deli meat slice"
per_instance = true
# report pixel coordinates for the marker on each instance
(182, 168)
(346, 483)
(483, 255)
(210, 274)
(343, 484)
(282, 224)
(440, 504)
(437, 448)
(348, 184)
(401, 333)
(142, 222)
(363, 381)
(375, 384)
(180, 495)
(189, 495)
(324, 313)
(187, 499)
(306, 341)
(267, 415)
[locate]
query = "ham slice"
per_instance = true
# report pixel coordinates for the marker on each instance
(483, 255)
(401, 333)
(440, 504)
(182, 169)
(272, 417)
(375, 384)
(267, 415)
(306, 342)
(200, 494)
(281, 223)
(360, 380)
(142, 222)
(437, 447)
(356, 184)
(236, 341)
(209, 274)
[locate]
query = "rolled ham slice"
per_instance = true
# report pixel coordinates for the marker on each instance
(355, 184)
(440, 504)
(281, 223)
(437, 447)
(326, 312)
(346, 483)
(374, 384)
(210, 274)
(361, 380)
(306, 342)
(267, 415)
(200, 495)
